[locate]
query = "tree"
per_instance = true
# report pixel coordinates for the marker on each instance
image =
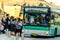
(40, 4)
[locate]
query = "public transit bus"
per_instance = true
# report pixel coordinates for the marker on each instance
(41, 21)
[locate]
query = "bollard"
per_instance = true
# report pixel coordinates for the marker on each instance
(17, 37)
(7, 33)
(22, 36)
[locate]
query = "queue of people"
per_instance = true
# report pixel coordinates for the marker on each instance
(12, 24)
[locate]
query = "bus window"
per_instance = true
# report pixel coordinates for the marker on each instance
(36, 16)
(37, 19)
(57, 19)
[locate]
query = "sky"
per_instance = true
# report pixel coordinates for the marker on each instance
(56, 2)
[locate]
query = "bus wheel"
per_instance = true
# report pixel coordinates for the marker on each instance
(55, 31)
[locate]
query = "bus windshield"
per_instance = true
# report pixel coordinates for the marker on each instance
(37, 16)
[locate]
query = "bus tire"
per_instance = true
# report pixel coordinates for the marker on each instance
(55, 33)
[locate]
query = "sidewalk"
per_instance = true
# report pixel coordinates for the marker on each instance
(5, 37)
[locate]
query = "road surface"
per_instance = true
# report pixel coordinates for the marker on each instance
(5, 37)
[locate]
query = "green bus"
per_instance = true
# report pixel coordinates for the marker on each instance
(41, 21)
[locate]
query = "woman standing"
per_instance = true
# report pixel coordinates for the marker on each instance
(7, 21)
(12, 26)
(19, 27)
(4, 22)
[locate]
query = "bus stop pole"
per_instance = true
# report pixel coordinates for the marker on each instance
(7, 32)
(17, 37)
(22, 35)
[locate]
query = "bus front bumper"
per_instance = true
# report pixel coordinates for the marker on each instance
(43, 36)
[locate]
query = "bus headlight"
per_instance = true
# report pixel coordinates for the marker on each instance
(47, 33)
(22, 31)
